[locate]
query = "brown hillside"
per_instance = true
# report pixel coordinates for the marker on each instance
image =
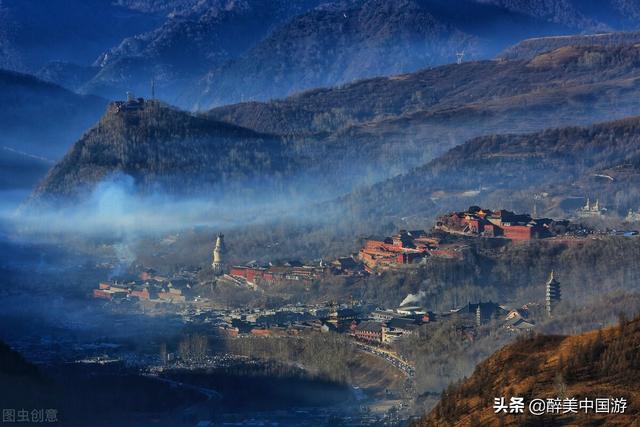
(528, 49)
(604, 363)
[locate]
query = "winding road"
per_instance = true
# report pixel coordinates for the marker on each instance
(389, 356)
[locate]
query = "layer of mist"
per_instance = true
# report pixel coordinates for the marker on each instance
(116, 209)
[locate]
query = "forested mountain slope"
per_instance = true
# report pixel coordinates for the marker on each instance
(441, 89)
(408, 120)
(165, 149)
(35, 32)
(600, 161)
(345, 41)
(192, 41)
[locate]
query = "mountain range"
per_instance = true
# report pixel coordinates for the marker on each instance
(201, 54)
(355, 107)
(35, 32)
(379, 129)
(478, 84)
(39, 122)
(347, 41)
(404, 121)
(186, 46)
(41, 118)
(353, 135)
(339, 42)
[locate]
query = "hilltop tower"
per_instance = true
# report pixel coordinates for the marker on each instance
(554, 294)
(218, 256)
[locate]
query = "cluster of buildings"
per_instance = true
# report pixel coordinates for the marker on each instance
(386, 326)
(366, 323)
(477, 221)
(598, 210)
(288, 320)
(519, 319)
(149, 286)
(405, 247)
(131, 104)
(288, 272)
(363, 322)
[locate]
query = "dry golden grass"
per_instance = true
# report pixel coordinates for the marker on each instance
(550, 367)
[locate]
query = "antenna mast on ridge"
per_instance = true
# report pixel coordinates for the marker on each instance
(460, 56)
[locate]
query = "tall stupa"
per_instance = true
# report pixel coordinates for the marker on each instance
(218, 256)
